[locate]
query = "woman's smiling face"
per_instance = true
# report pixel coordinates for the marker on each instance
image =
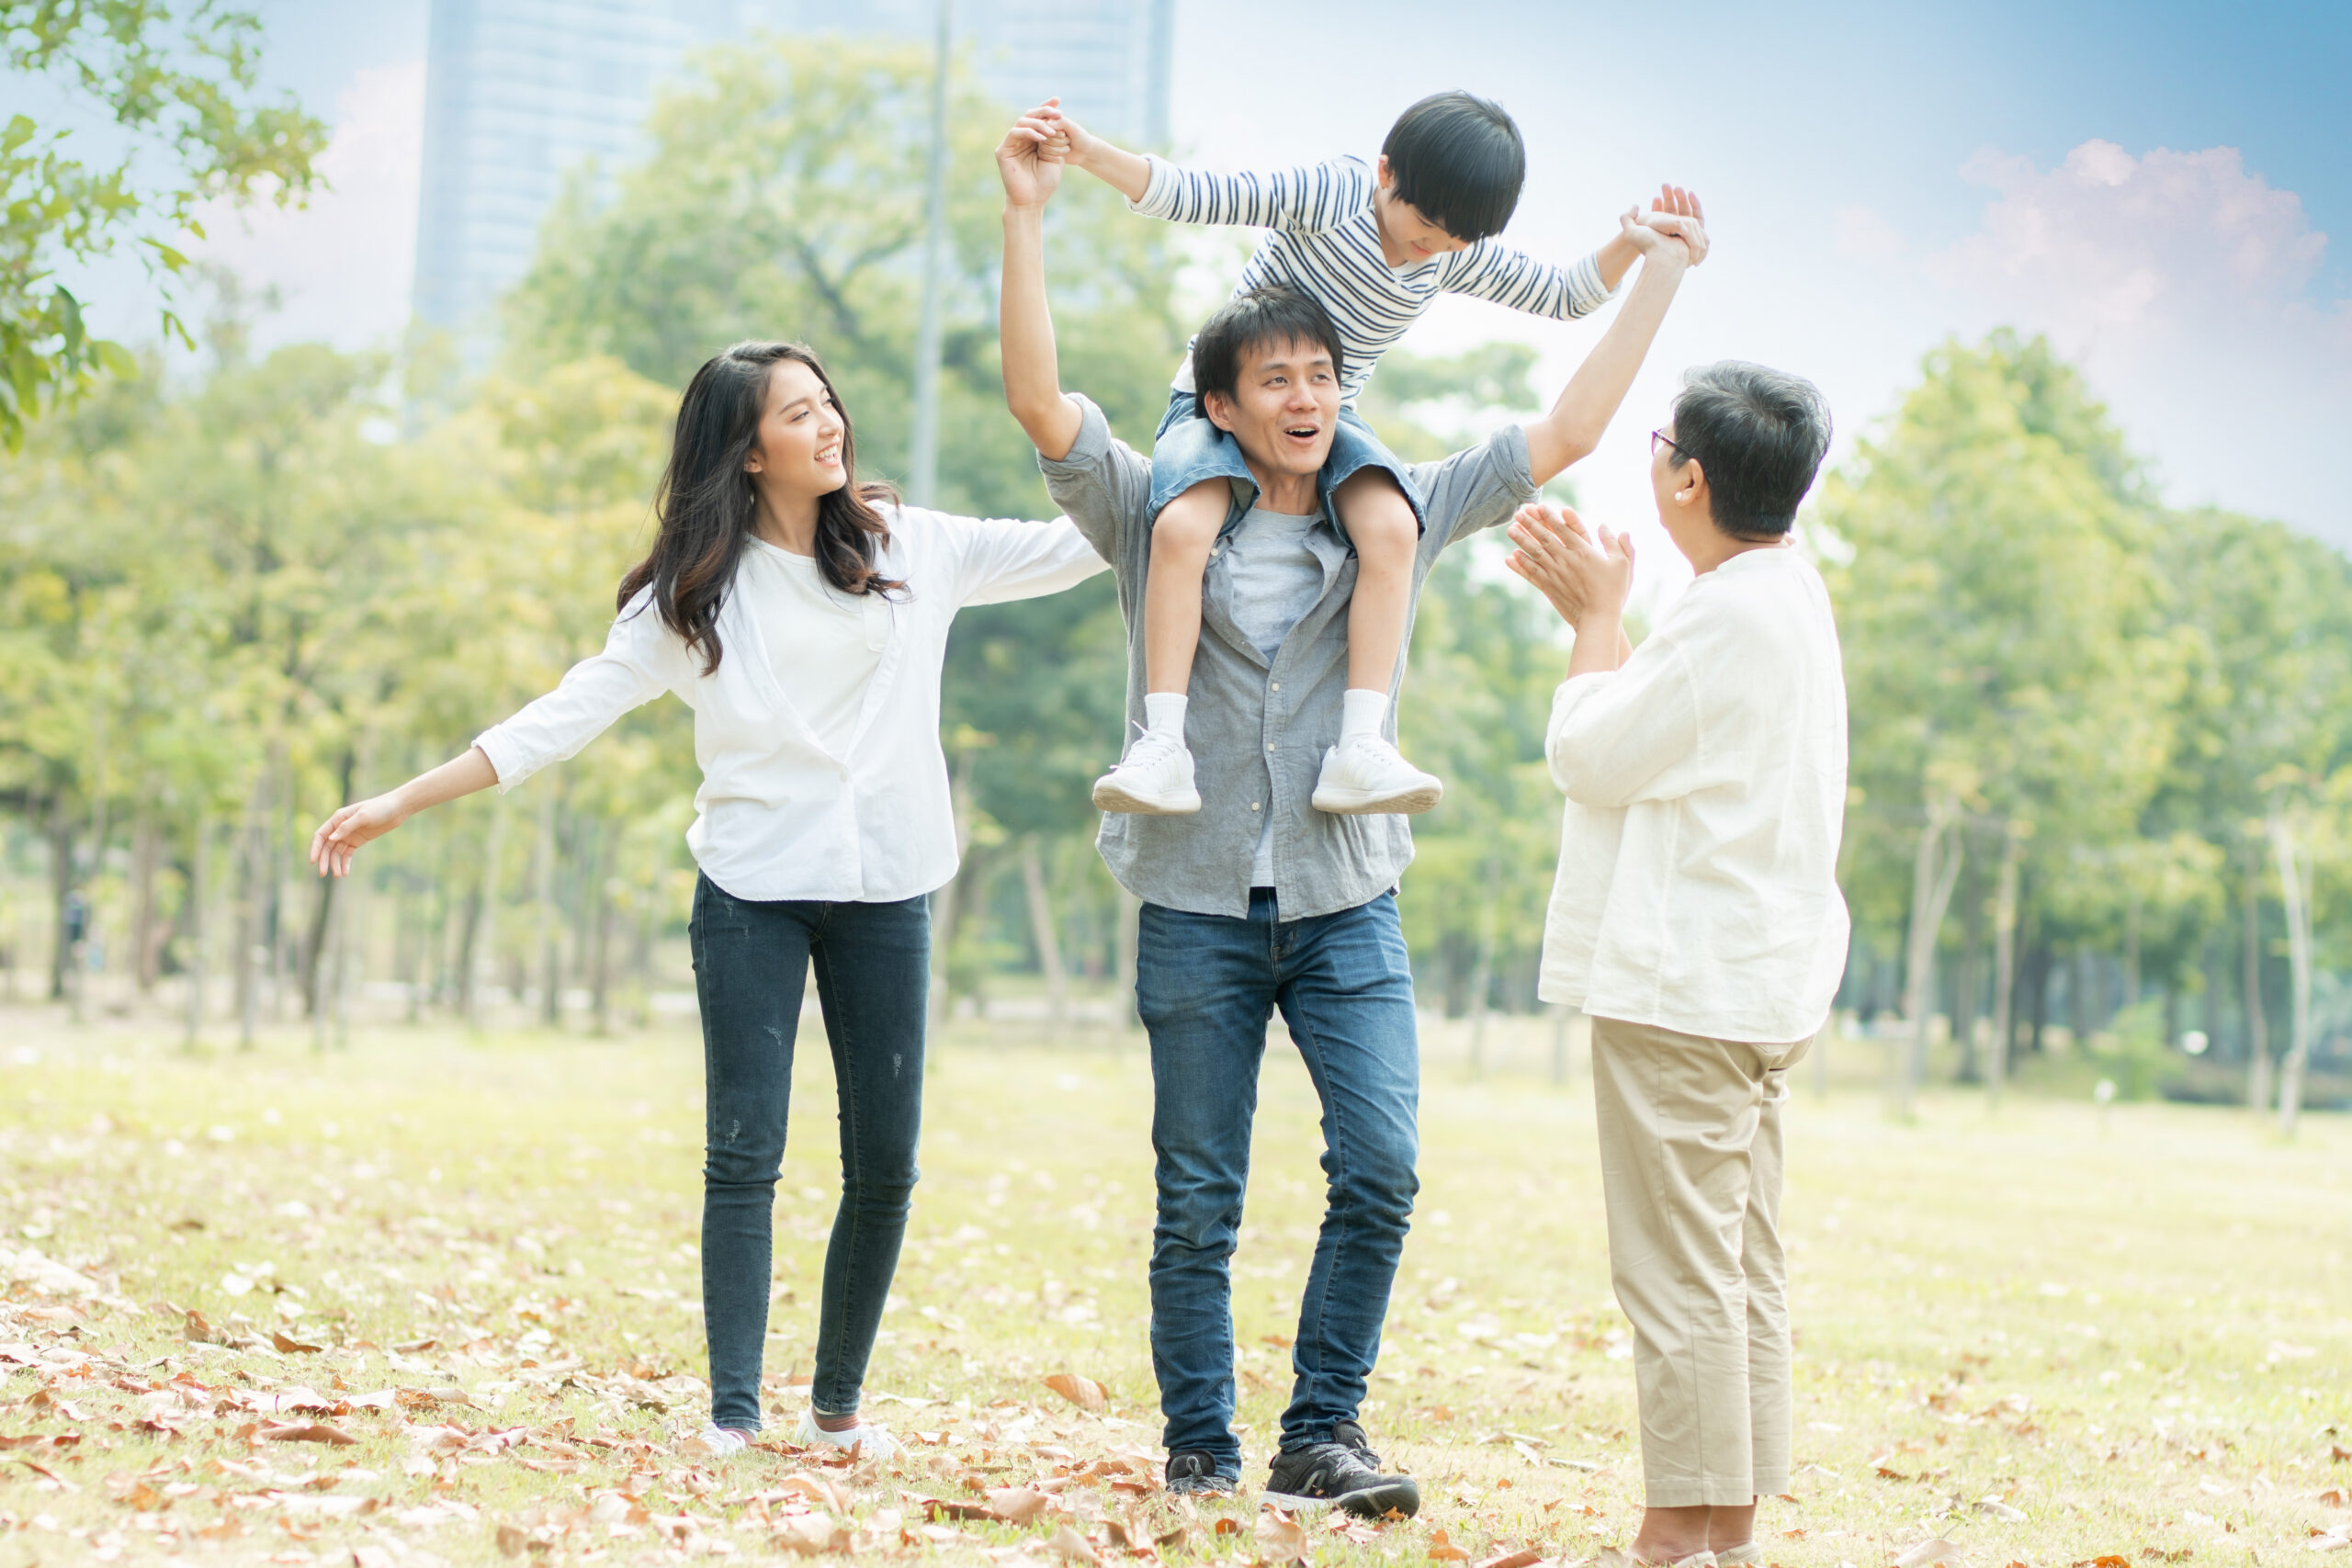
(799, 445)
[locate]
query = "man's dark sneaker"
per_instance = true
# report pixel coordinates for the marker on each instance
(1192, 1474)
(1340, 1473)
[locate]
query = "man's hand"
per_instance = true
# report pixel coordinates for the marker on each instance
(1029, 160)
(1675, 210)
(1655, 245)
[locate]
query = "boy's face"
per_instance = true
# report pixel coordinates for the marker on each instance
(1285, 407)
(1401, 224)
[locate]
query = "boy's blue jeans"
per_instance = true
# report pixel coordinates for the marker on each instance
(752, 960)
(1207, 987)
(1187, 448)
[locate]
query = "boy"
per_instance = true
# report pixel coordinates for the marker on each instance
(1696, 917)
(1373, 248)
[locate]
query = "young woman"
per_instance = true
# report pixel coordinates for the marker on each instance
(803, 616)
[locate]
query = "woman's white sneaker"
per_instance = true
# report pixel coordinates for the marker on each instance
(1155, 779)
(718, 1442)
(1363, 775)
(865, 1441)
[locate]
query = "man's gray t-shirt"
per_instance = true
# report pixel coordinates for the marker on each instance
(1277, 577)
(1259, 725)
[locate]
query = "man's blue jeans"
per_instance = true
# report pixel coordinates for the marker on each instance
(1207, 987)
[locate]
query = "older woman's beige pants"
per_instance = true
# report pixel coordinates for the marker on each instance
(1690, 1169)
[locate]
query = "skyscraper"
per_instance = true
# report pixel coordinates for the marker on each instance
(519, 92)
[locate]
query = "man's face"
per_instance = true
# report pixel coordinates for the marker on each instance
(1284, 408)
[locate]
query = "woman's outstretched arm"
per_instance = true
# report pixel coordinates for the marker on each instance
(340, 835)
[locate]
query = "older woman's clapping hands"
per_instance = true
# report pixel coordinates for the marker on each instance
(1588, 579)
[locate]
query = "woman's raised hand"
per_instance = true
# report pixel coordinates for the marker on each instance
(1030, 158)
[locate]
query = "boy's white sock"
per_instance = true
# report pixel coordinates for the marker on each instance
(1163, 714)
(1361, 712)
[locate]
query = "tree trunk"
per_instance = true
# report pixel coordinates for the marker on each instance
(2043, 963)
(1041, 930)
(543, 871)
(314, 945)
(2294, 894)
(1482, 969)
(199, 887)
(2132, 951)
(1934, 870)
(2005, 960)
(600, 971)
(1968, 976)
(2257, 1032)
(61, 884)
(948, 904)
(146, 949)
(251, 833)
(484, 958)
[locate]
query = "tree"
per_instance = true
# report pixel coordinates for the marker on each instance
(177, 79)
(2005, 652)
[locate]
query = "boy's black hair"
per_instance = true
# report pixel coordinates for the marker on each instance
(1759, 434)
(1252, 319)
(1458, 161)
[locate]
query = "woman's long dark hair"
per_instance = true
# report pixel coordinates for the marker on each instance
(707, 506)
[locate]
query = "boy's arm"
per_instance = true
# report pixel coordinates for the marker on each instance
(1673, 210)
(1033, 389)
(1575, 424)
(1304, 201)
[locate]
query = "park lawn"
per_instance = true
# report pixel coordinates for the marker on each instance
(2048, 1336)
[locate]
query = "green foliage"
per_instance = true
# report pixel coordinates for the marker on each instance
(180, 80)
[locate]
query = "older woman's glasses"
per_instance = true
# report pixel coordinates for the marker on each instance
(1657, 437)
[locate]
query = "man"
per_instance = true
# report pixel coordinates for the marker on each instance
(1258, 901)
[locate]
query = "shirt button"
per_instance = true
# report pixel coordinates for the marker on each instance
(1253, 806)
(1270, 750)
(1278, 685)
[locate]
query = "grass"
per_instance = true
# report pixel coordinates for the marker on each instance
(2049, 1336)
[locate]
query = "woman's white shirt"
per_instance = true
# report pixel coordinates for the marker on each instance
(823, 646)
(811, 790)
(1696, 887)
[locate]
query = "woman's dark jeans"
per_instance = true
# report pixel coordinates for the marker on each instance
(752, 960)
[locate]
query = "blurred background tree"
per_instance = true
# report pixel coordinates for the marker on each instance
(177, 82)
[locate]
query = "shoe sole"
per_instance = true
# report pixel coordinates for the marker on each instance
(1372, 1503)
(1109, 796)
(1365, 803)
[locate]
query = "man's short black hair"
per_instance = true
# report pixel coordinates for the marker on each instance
(1759, 434)
(1458, 162)
(1252, 319)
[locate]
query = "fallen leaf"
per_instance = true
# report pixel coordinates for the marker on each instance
(513, 1539)
(1523, 1557)
(2108, 1561)
(1224, 1524)
(810, 1535)
(1930, 1552)
(2328, 1543)
(2333, 1498)
(1279, 1538)
(290, 1346)
(2000, 1510)
(1084, 1393)
(413, 1346)
(196, 1331)
(316, 1432)
(816, 1489)
(1443, 1549)
(1072, 1547)
(1016, 1505)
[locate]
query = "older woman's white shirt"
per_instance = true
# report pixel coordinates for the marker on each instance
(1696, 887)
(780, 815)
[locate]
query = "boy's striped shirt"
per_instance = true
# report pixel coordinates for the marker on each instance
(1324, 241)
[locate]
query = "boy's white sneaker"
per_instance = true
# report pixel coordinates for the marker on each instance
(868, 1441)
(1363, 775)
(1155, 779)
(715, 1442)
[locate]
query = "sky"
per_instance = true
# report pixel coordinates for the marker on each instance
(2153, 184)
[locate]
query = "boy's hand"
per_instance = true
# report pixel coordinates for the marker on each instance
(1588, 579)
(1081, 144)
(1029, 160)
(1655, 245)
(1675, 210)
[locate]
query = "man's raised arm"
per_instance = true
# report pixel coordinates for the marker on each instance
(1029, 161)
(1574, 426)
